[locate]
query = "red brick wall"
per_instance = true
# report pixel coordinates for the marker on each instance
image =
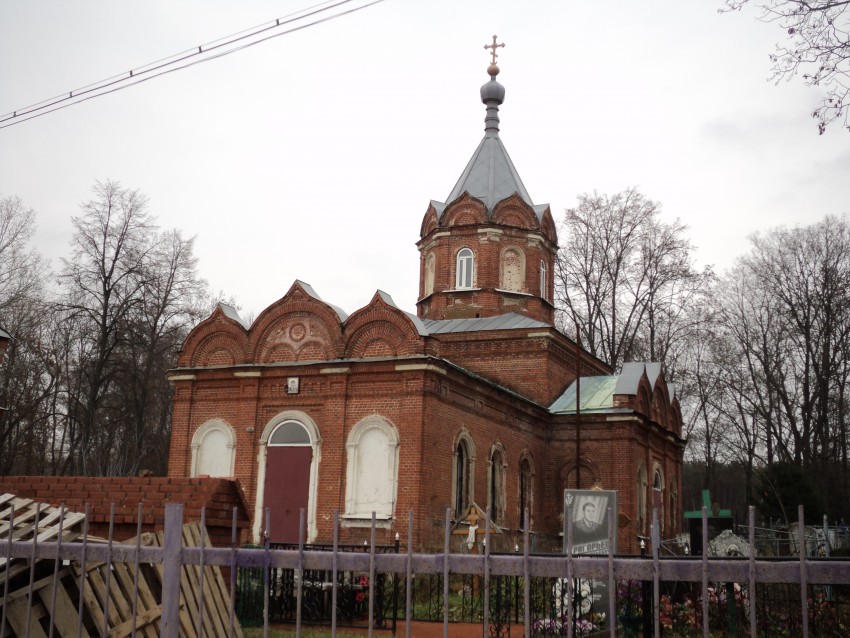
(539, 367)
(612, 451)
(464, 224)
(429, 405)
(218, 496)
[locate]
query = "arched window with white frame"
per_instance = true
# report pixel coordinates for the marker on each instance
(213, 449)
(464, 274)
(372, 474)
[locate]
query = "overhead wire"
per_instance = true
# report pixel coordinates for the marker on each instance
(209, 51)
(173, 59)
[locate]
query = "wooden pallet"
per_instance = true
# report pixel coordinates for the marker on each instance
(108, 591)
(24, 512)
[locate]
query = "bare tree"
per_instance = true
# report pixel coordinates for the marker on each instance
(817, 48)
(129, 296)
(102, 282)
(626, 277)
(21, 267)
(172, 300)
(789, 319)
(24, 382)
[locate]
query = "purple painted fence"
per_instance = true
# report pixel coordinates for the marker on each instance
(749, 570)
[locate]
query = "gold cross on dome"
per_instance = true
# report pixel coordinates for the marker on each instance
(493, 46)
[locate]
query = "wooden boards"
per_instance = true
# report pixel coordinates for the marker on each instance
(46, 597)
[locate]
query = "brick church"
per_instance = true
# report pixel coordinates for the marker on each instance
(472, 400)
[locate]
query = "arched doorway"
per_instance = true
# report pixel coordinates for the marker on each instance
(286, 488)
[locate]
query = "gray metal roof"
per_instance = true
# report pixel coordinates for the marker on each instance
(231, 312)
(309, 290)
(509, 321)
(629, 377)
(420, 327)
(439, 207)
(490, 175)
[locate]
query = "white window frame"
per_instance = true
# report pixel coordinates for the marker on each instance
(202, 432)
(373, 422)
(465, 269)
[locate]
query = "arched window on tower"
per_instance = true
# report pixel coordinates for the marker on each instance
(543, 283)
(465, 268)
(525, 493)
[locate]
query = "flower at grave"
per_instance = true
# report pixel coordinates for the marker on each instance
(546, 626)
(665, 612)
(364, 581)
(629, 593)
(584, 627)
(360, 597)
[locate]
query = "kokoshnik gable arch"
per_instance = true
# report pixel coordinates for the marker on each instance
(471, 401)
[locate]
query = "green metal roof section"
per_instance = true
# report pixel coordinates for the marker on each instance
(597, 395)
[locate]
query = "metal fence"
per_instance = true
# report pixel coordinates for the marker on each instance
(727, 595)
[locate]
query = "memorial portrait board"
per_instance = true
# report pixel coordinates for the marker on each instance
(586, 513)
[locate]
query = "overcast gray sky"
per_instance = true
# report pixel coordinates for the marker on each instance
(313, 156)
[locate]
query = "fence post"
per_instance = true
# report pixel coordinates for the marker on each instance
(646, 597)
(171, 567)
(395, 588)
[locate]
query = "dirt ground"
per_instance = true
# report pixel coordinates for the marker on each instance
(417, 630)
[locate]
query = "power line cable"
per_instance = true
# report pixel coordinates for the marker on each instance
(207, 52)
(172, 59)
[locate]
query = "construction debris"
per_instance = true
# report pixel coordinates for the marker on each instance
(45, 597)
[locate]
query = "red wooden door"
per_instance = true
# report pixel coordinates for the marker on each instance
(287, 490)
